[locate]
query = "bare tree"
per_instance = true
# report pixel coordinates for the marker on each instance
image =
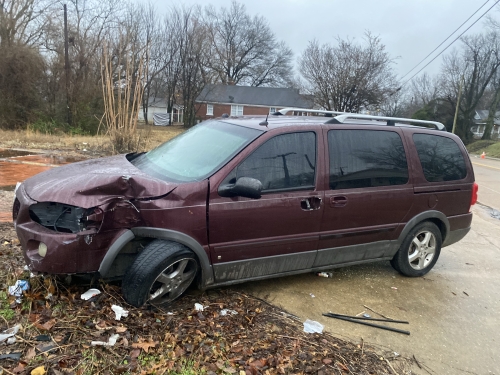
(243, 50)
(346, 76)
(22, 22)
(477, 63)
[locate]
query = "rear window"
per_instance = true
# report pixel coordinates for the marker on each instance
(366, 158)
(440, 157)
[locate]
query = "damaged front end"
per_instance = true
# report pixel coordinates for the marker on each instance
(67, 218)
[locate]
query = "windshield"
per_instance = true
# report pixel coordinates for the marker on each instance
(197, 153)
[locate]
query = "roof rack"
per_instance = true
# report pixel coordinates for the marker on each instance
(389, 120)
(341, 117)
(284, 111)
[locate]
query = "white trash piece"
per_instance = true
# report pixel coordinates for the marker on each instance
(90, 293)
(119, 312)
(311, 326)
(198, 307)
(18, 288)
(225, 312)
(111, 341)
(8, 333)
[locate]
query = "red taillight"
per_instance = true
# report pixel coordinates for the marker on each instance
(473, 199)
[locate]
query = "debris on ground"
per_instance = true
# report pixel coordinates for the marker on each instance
(311, 326)
(57, 334)
(120, 312)
(90, 293)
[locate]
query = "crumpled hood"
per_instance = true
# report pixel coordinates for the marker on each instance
(93, 182)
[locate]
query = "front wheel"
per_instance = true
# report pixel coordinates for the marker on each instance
(419, 251)
(160, 274)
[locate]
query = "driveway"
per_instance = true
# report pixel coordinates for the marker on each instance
(454, 311)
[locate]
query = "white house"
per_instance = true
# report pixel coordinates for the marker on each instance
(157, 113)
(480, 119)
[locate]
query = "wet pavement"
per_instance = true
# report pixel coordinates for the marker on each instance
(18, 165)
(453, 311)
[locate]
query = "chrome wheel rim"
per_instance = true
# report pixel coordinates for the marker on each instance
(172, 281)
(422, 250)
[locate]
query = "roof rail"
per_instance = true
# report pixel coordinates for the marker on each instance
(389, 120)
(340, 117)
(284, 111)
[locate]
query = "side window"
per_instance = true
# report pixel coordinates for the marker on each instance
(285, 162)
(440, 157)
(366, 158)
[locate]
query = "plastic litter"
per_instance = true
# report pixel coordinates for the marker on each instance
(111, 341)
(90, 293)
(225, 312)
(367, 316)
(198, 307)
(120, 312)
(312, 295)
(311, 326)
(325, 274)
(8, 333)
(18, 288)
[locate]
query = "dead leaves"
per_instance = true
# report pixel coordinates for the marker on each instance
(144, 345)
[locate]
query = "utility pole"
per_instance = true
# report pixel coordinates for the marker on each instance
(66, 62)
(458, 104)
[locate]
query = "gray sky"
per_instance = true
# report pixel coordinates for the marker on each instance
(410, 29)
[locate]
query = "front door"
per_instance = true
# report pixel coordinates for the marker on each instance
(278, 233)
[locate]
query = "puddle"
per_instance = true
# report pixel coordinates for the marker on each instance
(18, 165)
(11, 173)
(4, 153)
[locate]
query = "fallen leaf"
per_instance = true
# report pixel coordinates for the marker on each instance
(30, 353)
(135, 353)
(120, 329)
(19, 368)
(47, 326)
(38, 371)
(327, 361)
(144, 345)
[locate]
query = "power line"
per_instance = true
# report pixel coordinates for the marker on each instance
(449, 45)
(434, 50)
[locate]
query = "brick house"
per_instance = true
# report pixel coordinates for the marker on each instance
(215, 100)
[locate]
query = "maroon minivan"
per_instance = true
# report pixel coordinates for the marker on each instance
(244, 198)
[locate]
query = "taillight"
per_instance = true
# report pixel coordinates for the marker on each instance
(473, 199)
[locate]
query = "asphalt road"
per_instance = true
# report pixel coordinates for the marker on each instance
(487, 173)
(454, 311)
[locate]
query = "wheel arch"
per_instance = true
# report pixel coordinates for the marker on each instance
(207, 277)
(435, 217)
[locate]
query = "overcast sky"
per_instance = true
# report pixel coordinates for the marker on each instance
(410, 29)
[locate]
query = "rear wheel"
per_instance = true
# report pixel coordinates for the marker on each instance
(419, 251)
(160, 274)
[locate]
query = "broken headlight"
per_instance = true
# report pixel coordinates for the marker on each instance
(65, 218)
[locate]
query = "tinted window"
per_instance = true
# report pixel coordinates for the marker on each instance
(285, 162)
(366, 158)
(440, 157)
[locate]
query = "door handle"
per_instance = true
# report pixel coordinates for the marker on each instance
(338, 201)
(311, 203)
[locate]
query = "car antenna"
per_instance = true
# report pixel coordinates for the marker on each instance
(264, 123)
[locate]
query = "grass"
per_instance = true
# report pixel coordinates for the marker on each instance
(27, 139)
(490, 148)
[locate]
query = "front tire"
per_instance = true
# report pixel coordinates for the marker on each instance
(160, 274)
(419, 251)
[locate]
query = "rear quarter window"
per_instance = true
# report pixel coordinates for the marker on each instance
(440, 157)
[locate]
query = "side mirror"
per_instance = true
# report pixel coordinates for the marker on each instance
(244, 187)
